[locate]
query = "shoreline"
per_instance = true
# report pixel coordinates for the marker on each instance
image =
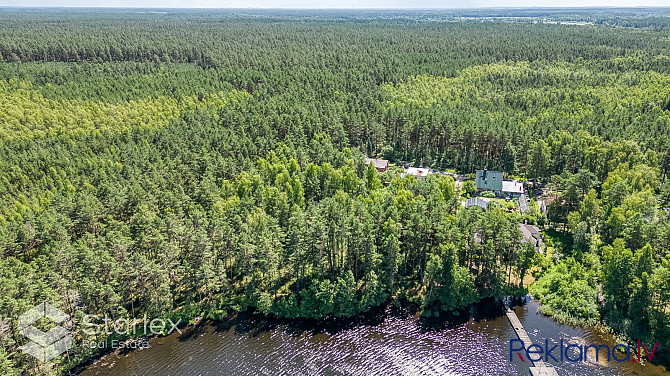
(251, 320)
(485, 309)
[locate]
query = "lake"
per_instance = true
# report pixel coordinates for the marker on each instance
(386, 341)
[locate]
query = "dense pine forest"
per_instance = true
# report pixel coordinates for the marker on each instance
(198, 163)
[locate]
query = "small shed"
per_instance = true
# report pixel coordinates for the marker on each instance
(477, 201)
(380, 164)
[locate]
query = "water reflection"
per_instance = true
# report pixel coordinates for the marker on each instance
(387, 341)
(540, 327)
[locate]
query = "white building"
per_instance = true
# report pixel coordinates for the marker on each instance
(477, 201)
(418, 172)
(512, 188)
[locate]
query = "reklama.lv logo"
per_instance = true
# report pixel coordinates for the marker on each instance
(576, 353)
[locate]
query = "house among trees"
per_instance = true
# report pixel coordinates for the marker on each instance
(512, 188)
(489, 181)
(532, 234)
(380, 164)
(493, 181)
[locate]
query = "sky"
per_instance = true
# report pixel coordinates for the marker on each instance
(346, 4)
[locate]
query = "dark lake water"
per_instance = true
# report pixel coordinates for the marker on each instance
(388, 341)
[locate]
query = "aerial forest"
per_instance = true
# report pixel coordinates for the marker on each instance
(196, 164)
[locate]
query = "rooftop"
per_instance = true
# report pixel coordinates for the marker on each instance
(418, 171)
(477, 201)
(532, 235)
(512, 186)
(378, 163)
(490, 180)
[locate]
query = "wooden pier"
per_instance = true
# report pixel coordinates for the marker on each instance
(539, 367)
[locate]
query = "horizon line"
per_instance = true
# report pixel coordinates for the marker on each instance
(327, 8)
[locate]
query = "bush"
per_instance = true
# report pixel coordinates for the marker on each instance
(568, 292)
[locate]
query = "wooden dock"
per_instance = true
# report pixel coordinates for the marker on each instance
(539, 367)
